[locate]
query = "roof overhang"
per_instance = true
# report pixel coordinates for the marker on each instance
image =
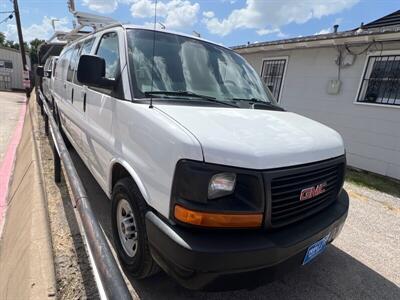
(319, 42)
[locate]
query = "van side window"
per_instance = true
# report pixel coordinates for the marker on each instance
(54, 65)
(85, 49)
(73, 64)
(64, 60)
(47, 65)
(87, 46)
(57, 70)
(108, 49)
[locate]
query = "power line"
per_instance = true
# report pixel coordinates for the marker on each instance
(6, 19)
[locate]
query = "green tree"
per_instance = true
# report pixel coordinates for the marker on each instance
(11, 44)
(33, 52)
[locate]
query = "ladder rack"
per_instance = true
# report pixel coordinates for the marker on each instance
(81, 21)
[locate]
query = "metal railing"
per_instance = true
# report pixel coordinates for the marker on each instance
(111, 280)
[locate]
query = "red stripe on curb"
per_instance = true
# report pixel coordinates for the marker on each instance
(8, 161)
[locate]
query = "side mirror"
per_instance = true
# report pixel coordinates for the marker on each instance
(47, 74)
(91, 71)
(40, 71)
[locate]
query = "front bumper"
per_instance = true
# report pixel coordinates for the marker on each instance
(223, 260)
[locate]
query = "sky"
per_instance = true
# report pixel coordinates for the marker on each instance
(228, 22)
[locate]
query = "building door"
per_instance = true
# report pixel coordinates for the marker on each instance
(273, 72)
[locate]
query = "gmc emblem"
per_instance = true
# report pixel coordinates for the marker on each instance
(313, 191)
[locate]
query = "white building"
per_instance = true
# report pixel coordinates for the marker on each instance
(11, 75)
(347, 80)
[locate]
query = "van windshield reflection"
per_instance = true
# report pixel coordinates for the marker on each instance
(187, 64)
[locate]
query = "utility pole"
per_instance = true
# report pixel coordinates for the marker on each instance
(21, 45)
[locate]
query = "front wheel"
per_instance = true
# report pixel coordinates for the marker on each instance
(129, 229)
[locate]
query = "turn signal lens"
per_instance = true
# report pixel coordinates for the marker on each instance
(218, 220)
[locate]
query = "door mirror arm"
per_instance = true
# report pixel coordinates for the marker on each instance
(105, 83)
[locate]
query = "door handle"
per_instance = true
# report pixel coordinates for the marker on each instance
(84, 102)
(72, 95)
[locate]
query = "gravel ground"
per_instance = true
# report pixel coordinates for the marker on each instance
(73, 271)
(372, 232)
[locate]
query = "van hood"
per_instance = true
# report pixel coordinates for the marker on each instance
(256, 139)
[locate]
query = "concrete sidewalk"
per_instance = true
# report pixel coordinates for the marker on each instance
(10, 104)
(26, 260)
(12, 114)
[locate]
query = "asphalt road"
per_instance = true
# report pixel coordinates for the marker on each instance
(363, 263)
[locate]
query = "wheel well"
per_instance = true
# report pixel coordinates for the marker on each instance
(118, 172)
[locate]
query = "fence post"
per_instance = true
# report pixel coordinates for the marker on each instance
(57, 165)
(46, 124)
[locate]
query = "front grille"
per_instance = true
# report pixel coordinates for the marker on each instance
(286, 207)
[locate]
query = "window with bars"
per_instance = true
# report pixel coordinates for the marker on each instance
(273, 72)
(381, 81)
(6, 64)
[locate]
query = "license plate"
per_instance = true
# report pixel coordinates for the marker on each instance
(315, 249)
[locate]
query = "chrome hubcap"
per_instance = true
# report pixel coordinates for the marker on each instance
(127, 229)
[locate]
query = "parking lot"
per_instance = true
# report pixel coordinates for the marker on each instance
(362, 263)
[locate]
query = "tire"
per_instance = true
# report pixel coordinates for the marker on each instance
(138, 262)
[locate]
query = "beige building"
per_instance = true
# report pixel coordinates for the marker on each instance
(11, 71)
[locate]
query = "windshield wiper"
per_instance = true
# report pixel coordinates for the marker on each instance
(251, 100)
(261, 102)
(188, 94)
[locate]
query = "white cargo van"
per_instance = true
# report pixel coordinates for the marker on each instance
(48, 76)
(209, 178)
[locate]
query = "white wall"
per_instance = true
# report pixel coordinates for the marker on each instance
(371, 133)
(16, 74)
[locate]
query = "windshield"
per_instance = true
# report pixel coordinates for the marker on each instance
(188, 66)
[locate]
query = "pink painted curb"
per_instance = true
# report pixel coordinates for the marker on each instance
(8, 162)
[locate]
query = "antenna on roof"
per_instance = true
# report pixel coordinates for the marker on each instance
(53, 21)
(154, 48)
(162, 25)
(196, 34)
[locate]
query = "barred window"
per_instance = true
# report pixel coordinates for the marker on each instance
(6, 64)
(273, 72)
(381, 81)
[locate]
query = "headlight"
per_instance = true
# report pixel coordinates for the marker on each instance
(210, 195)
(221, 184)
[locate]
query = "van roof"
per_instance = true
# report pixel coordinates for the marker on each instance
(133, 26)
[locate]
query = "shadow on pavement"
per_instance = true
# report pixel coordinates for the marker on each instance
(334, 275)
